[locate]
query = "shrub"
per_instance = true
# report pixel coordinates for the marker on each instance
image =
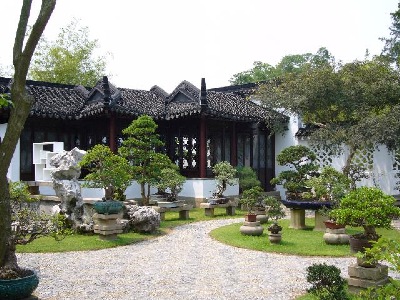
(252, 198)
(326, 282)
(247, 178)
(224, 174)
(301, 160)
(367, 207)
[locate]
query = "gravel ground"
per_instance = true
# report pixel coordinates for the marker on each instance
(185, 264)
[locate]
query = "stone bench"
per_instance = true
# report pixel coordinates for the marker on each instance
(183, 211)
(209, 208)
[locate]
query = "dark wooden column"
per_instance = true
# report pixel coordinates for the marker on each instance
(233, 146)
(112, 133)
(203, 147)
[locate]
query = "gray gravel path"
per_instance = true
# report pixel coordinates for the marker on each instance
(185, 264)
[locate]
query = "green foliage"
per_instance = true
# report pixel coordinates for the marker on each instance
(301, 160)
(331, 185)
(290, 64)
(326, 282)
(69, 59)
(273, 208)
(390, 291)
(224, 174)
(106, 170)
(139, 148)
(386, 250)
(172, 180)
(28, 222)
(391, 49)
(356, 105)
(5, 100)
(252, 197)
(367, 207)
(247, 178)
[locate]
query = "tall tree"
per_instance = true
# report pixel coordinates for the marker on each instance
(391, 49)
(139, 148)
(288, 64)
(24, 46)
(69, 59)
(357, 104)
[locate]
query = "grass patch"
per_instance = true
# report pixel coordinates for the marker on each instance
(87, 242)
(295, 242)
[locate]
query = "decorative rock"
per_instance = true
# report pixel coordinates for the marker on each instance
(67, 188)
(336, 236)
(251, 228)
(143, 218)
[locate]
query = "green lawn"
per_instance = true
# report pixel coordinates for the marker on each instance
(79, 242)
(297, 242)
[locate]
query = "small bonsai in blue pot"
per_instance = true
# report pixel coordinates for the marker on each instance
(108, 171)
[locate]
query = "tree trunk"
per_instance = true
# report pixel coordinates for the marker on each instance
(24, 47)
(347, 166)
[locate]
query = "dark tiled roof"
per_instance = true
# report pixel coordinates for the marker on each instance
(68, 102)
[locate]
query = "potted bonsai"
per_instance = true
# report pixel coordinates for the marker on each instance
(369, 208)
(108, 171)
(301, 161)
(251, 199)
(274, 211)
(27, 224)
(224, 175)
(172, 180)
(329, 187)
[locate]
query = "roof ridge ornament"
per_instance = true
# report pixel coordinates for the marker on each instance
(203, 95)
(106, 89)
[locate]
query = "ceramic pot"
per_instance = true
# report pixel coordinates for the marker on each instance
(108, 207)
(358, 244)
(251, 218)
(20, 288)
(333, 225)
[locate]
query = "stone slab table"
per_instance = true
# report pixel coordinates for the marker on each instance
(209, 208)
(183, 211)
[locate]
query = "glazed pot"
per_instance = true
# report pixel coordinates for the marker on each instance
(19, 288)
(333, 225)
(108, 207)
(251, 217)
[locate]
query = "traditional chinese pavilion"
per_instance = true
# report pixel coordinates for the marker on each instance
(200, 127)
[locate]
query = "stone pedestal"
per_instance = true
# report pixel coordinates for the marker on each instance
(107, 226)
(336, 236)
(319, 221)
(251, 228)
(362, 278)
(261, 216)
(297, 218)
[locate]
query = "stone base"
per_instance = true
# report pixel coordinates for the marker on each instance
(363, 278)
(262, 218)
(107, 226)
(319, 221)
(297, 219)
(336, 236)
(252, 228)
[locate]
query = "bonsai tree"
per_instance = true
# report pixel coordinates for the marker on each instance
(331, 185)
(247, 178)
(140, 149)
(367, 207)
(301, 160)
(28, 224)
(224, 174)
(252, 198)
(172, 180)
(275, 211)
(106, 170)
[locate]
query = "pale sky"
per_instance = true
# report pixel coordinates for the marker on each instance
(163, 42)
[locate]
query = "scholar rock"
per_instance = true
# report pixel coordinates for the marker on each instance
(67, 187)
(143, 218)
